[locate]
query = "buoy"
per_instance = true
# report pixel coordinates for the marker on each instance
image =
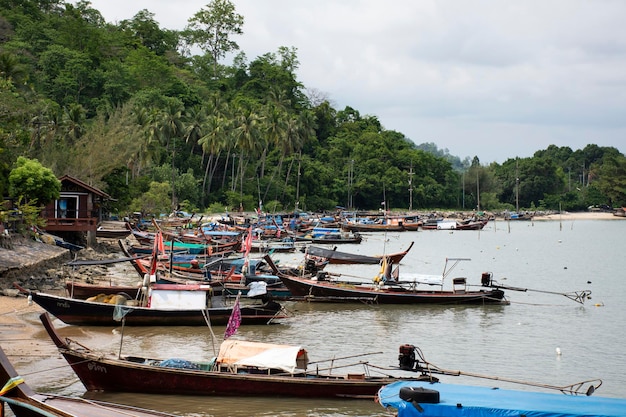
(599, 304)
(558, 351)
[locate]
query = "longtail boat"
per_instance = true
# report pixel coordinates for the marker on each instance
(241, 368)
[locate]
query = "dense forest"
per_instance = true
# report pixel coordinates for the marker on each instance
(128, 108)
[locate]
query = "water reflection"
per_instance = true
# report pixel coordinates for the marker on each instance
(245, 407)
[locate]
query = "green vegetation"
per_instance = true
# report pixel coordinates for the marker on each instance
(128, 108)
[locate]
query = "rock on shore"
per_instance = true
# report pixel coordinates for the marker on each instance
(21, 257)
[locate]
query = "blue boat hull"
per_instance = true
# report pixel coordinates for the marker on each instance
(471, 401)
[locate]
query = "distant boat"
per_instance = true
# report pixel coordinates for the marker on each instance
(329, 235)
(471, 224)
(517, 216)
(335, 257)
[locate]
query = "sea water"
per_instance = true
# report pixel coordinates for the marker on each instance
(541, 337)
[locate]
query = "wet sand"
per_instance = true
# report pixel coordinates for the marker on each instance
(18, 327)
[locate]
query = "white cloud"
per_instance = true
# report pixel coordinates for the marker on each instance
(492, 79)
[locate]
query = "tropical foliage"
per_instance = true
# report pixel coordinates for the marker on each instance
(129, 108)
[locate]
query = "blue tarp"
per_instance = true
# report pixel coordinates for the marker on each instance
(470, 401)
(178, 363)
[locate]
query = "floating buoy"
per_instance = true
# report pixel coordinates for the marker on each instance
(599, 304)
(558, 351)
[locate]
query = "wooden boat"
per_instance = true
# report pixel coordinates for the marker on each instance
(620, 212)
(389, 290)
(329, 235)
(353, 238)
(273, 245)
(168, 305)
(113, 230)
(24, 402)
(335, 257)
(240, 369)
(83, 291)
(471, 224)
(517, 216)
(372, 227)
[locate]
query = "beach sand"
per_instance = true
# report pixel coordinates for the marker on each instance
(19, 323)
(579, 216)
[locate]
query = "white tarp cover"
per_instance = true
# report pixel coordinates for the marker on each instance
(422, 278)
(262, 355)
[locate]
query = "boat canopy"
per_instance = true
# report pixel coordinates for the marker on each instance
(262, 355)
(422, 279)
(179, 296)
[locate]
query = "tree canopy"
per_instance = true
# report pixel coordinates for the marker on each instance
(146, 114)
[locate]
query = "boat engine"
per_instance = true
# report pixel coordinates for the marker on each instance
(485, 279)
(406, 358)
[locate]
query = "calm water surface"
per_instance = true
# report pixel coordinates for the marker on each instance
(517, 341)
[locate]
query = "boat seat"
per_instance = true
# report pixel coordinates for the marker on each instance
(459, 285)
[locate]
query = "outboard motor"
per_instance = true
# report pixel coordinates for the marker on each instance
(310, 266)
(406, 358)
(485, 279)
(321, 275)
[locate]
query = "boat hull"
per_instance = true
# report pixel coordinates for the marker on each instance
(481, 401)
(344, 292)
(343, 258)
(85, 313)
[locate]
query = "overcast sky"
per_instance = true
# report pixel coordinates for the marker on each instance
(493, 79)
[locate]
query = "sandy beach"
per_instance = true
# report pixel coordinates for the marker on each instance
(18, 326)
(579, 216)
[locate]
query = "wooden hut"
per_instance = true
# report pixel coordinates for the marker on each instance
(77, 211)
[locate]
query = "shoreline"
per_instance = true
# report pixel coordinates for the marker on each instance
(578, 216)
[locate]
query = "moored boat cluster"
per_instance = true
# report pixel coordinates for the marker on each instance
(225, 272)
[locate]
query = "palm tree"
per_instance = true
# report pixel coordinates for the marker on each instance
(73, 120)
(195, 119)
(10, 69)
(301, 131)
(171, 126)
(247, 137)
(214, 142)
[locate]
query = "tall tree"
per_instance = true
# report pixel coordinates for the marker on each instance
(212, 27)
